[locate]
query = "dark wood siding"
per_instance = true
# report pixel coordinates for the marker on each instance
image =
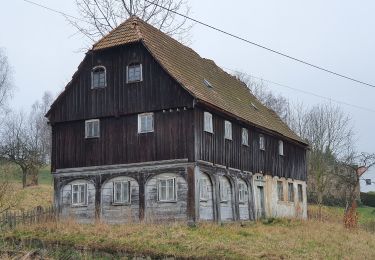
(157, 90)
(120, 143)
(212, 147)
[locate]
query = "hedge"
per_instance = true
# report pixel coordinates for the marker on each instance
(368, 199)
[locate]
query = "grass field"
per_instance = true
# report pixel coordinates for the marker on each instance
(280, 239)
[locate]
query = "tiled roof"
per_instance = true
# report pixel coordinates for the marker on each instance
(191, 71)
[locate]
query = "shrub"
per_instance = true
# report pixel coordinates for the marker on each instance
(368, 199)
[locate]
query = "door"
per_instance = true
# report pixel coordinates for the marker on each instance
(261, 210)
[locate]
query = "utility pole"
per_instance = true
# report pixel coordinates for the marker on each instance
(131, 7)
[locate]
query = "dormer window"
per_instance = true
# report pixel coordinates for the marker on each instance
(262, 145)
(281, 147)
(98, 77)
(228, 130)
(134, 73)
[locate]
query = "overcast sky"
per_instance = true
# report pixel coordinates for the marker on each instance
(338, 34)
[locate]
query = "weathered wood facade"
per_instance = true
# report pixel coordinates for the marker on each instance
(178, 148)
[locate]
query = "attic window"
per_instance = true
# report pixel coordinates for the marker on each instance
(254, 106)
(134, 73)
(98, 77)
(207, 83)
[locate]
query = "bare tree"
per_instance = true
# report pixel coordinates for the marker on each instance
(20, 144)
(5, 81)
(353, 167)
(98, 17)
(260, 90)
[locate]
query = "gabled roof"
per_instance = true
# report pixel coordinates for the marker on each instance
(192, 72)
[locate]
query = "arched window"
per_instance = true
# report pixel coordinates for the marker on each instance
(281, 147)
(98, 77)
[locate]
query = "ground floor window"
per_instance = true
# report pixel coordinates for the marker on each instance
(167, 189)
(121, 192)
(204, 189)
(242, 191)
(290, 192)
(300, 193)
(79, 194)
(224, 191)
(280, 191)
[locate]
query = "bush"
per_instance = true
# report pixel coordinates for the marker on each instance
(368, 199)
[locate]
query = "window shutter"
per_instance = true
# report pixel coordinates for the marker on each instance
(86, 195)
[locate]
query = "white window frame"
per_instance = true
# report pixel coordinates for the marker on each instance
(227, 130)
(159, 190)
(87, 131)
(223, 191)
(245, 136)
(280, 190)
(204, 185)
(300, 194)
(80, 201)
(290, 192)
(262, 142)
(92, 77)
(242, 192)
(122, 200)
(147, 130)
(208, 122)
(127, 73)
(281, 148)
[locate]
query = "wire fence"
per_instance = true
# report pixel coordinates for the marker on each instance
(12, 219)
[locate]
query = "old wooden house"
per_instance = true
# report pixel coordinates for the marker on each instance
(149, 130)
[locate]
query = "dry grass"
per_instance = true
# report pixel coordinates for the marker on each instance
(280, 240)
(34, 196)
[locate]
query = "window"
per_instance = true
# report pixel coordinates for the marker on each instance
(281, 147)
(98, 77)
(208, 127)
(167, 189)
(134, 73)
(79, 194)
(290, 192)
(223, 191)
(92, 128)
(121, 192)
(300, 193)
(280, 191)
(207, 83)
(204, 189)
(262, 145)
(245, 136)
(242, 192)
(228, 130)
(146, 123)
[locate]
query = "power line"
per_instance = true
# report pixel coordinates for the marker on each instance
(264, 47)
(307, 92)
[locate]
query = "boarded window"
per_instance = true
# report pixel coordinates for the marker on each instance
(290, 192)
(228, 130)
(242, 192)
(92, 128)
(121, 192)
(280, 191)
(245, 136)
(134, 73)
(146, 123)
(281, 147)
(79, 194)
(204, 189)
(300, 193)
(262, 145)
(98, 77)
(208, 127)
(167, 189)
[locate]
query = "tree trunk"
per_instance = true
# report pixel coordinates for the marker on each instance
(24, 177)
(33, 176)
